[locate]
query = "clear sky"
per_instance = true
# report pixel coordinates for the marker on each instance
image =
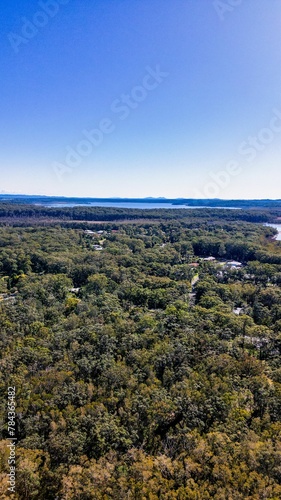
(174, 98)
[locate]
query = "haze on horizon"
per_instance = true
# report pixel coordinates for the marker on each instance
(141, 98)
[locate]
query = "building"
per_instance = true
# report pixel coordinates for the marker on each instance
(233, 264)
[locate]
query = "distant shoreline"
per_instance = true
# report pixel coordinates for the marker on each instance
(143, 203)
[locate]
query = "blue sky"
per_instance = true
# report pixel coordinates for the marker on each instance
(171, 92)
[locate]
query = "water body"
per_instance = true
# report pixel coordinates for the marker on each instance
(112, 204)
(278, 227)
(127, 204)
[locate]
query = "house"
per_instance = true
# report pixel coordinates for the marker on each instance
(238, 310)
(233, 264)
(209, 259)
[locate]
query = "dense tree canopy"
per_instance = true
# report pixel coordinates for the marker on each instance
(142, 370)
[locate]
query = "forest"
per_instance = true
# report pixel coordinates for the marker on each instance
(27, 213)
(144, 348)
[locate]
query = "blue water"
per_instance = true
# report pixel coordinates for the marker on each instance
(126, 204)
(278, 227)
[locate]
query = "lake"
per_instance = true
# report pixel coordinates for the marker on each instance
(128, 204)
(112, 204)
(278, 227)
